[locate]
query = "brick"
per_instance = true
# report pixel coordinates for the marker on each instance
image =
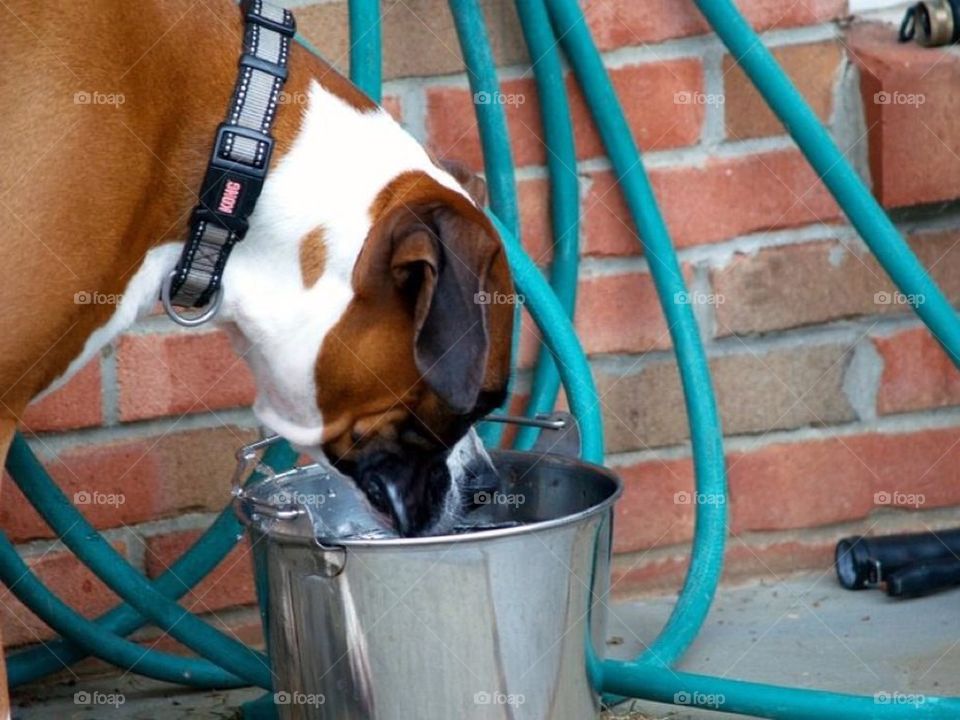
(529, 343)
(652, 511)
(649, 93)
(819, 482)
(620, 314)
(68, 578)
(912, 136)
(616, 23)
(177, 373)
(244, 626)
(810, 283)
(635, 573)
(536, 228)
(721, 199)
(419, 37)
(813, 68)
(230, 583)
(75, 405)
(917, 373)
(155, 477)
(756, 393)
(393, 105)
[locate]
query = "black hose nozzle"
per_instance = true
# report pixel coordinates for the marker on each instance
(923, 578)
(863, 561)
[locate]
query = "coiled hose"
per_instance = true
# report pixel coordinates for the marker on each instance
(650, 676)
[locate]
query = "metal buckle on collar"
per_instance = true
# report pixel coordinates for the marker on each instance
(255, 63)
(254, 14)
(231, 187)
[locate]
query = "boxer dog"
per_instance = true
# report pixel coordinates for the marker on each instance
(353, 297)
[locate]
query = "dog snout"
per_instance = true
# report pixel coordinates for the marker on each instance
(408, 485)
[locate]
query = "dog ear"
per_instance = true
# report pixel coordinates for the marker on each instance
(450, 267)
(472, 183)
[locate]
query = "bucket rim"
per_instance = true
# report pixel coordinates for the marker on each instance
(468, 537)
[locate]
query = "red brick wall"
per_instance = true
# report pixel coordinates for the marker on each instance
(840, 412)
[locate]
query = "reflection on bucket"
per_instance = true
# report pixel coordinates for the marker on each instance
(491, 623)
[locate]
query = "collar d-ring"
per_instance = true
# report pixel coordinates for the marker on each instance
(188, 320)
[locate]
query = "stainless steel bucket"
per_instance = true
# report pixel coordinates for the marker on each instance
(501, 623)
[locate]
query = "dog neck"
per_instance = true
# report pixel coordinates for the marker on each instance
(289, 281)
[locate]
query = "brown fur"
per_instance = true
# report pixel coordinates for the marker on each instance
(313, 257)
(86, 190)
(371, 347)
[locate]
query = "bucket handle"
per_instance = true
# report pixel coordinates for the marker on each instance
(564, 438)
(248, 457)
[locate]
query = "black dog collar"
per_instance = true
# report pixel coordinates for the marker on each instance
(238, 164)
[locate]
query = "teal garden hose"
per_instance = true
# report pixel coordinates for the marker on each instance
(561, 153)
(125, 580)
(706, 563)
(838, 175)
(494, 138)
(650, 676)
(195, 564)
(90, 637)
(365, 47)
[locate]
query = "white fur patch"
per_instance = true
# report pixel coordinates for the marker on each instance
(339, 162)
(138, 299)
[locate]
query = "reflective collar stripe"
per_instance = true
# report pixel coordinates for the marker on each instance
(240, 158)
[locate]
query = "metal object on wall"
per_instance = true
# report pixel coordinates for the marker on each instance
(932, 23)
(507, 621)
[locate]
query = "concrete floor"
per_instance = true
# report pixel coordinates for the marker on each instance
(804, 631)
(808, 632)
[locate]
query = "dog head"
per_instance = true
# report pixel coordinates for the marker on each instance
(420, 353)
(368, 299)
